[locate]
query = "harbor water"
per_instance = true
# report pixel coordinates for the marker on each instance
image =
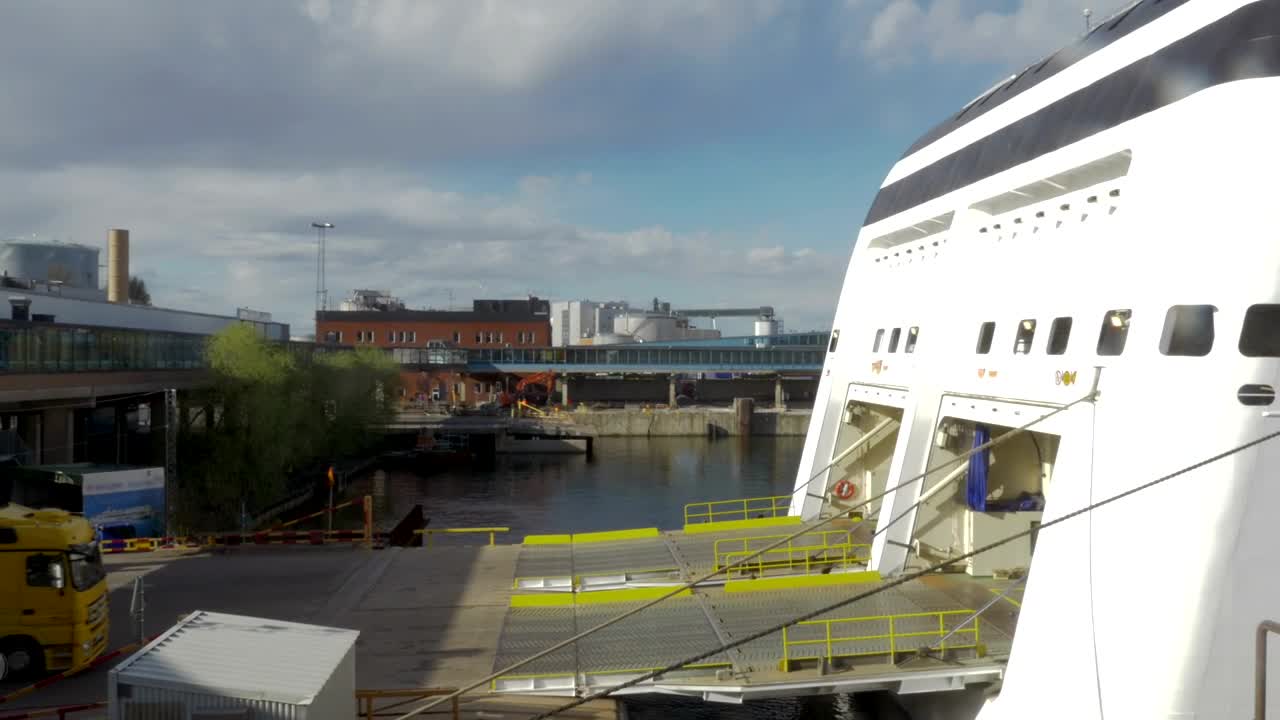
(629, 482)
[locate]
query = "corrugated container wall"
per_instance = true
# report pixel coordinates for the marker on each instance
(214, 665)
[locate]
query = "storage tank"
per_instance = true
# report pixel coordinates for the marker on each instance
(613, 339)
(67, 263)
(765, 328)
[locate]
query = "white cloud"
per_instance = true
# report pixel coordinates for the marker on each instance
(214, 239)
(941, 31)
(513, 46)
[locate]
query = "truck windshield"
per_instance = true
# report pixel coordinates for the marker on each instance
(86, 566)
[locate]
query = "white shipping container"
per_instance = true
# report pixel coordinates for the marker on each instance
(218, 666)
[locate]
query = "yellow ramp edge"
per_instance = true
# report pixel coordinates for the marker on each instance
(796, 582)
(550, 599)
(548, 539)
(608, 535)
(626, 595)
(695, 528)
(564, 599)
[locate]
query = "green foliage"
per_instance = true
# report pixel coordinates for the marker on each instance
(138, 294)
(278, 410)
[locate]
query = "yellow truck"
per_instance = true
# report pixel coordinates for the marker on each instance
(53, 592)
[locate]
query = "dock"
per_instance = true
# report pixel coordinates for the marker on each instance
(466, 605)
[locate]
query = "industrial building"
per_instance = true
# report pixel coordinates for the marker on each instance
(375, 318)
(50, 282)
(583, 322)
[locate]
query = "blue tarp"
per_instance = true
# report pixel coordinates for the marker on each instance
(976, 492)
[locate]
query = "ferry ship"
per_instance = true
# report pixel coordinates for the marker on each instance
(1086, 249)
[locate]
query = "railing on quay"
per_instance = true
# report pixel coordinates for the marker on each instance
(825, 634)
(432, 532)
(369, 709)
(708, 511)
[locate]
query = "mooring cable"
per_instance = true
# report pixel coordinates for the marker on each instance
(903, 579)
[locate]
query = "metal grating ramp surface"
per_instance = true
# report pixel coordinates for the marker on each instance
(654, 638)
(544, 561)
(624, 556)
(528, 631)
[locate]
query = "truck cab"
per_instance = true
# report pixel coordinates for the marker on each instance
(53, 610)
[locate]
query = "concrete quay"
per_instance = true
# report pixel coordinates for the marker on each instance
(690, 422)
(622, 422)
(427, 617)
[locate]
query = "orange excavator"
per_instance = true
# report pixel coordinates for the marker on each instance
(535, 389)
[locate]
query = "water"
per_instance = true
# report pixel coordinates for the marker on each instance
(630, 482)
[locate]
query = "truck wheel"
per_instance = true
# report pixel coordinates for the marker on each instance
(20, 658)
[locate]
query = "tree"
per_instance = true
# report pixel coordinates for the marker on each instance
(138, 294)
(281, 409)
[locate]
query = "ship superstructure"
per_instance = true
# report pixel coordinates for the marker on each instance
(1102, 216)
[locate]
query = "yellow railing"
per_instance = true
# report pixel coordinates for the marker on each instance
(815, 540)
(368, 709)
(712, 511)
(827, 635)
(432, 532)
(806, 559)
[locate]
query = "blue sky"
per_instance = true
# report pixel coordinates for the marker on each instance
(717, 152)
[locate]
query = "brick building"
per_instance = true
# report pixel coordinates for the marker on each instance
(488, 324)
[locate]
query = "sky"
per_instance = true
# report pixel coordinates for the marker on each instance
(714, 153)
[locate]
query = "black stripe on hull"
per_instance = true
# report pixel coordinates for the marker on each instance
(1242, 45)
(1102, 35)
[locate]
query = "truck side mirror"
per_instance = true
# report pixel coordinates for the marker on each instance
(56, 577)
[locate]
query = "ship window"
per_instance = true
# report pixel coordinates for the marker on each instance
(1188, 330)
(1059, 334)
(1022, 341)
(1114, 332)
(985, 335)
(875, 346)
(912, 335)
(835, 338)
(893, 339)
(1260, 336)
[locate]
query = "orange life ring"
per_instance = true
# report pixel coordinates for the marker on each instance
(845, 489)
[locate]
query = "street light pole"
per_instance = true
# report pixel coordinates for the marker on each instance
(322, 295)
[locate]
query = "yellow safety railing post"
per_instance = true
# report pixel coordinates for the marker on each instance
(893, 640)
(830, 657)
(942, 633)
(786, 652)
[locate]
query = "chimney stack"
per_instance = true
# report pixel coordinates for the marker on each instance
(118, 266)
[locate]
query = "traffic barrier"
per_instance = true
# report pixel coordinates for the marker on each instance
(263, 537)
(318, 513)
(46, 682)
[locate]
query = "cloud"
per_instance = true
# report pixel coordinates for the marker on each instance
(211, 240)
(903, 32)
(314, 83)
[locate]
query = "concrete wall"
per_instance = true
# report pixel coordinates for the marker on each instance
(655, 389)
(696, 422)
